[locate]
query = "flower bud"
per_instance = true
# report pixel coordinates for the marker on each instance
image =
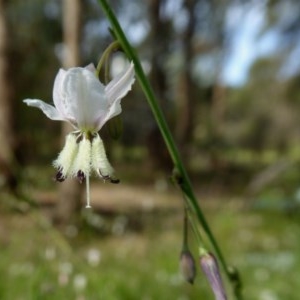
(66, 157)
(211, 270)
(187, 266)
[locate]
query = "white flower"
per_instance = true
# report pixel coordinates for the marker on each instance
(83, 101)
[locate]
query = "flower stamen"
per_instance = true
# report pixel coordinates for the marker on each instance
(66, 158)
(100, 163)
(82, 162)
(80, 176)
(59, 176)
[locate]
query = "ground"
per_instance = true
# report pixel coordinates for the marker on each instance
(129, 248)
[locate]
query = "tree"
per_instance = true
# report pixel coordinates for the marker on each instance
(70, 191)
(186, 95)
(7, 132)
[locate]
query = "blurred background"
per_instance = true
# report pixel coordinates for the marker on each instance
(227, 76)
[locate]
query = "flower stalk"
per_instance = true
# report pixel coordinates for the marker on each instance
(187, 261)
(183, 179)
(104, 58)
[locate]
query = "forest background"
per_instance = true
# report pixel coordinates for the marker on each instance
(227, 75)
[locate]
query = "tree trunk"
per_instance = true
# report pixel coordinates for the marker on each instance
(7, 132)
(159, 41)
(218, 107)
(70, 191)
(185, 103)
(159, 50)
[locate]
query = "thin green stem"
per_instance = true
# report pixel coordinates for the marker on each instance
(111, 48)
(194, 226)
(185, 183)
(106, 72)
(185, 231)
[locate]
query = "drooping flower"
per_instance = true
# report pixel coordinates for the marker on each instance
(83, 101)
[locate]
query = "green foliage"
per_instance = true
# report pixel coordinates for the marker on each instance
(39, 262)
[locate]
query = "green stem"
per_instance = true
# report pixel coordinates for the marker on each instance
(195, 228)
(185, 231)
(111, 48)
(185, 183)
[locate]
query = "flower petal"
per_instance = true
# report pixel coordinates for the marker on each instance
(50, 111)
(115, 91)
(120, 85)
(90, 67)
(59, 99)
(82, 97)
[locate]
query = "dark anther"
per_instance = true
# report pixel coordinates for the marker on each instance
(107, 177)
(80, 176)
(59, 177)
(114, 180)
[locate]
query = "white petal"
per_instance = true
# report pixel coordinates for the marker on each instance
(83, 97)
(50, 111)
(59, 98)
(115, 91)
(91, 68)
(120, 85)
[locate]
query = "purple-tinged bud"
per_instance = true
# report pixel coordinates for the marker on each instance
(80, 176)
(211, 270)
(187, 266)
